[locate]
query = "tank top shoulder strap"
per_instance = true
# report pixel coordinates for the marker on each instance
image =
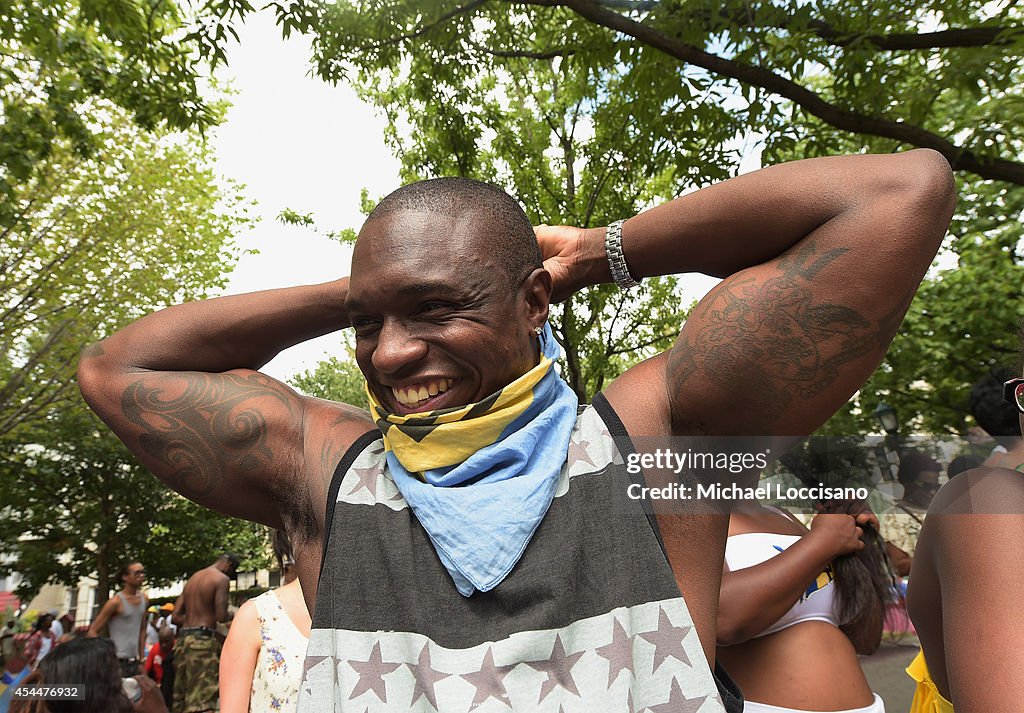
(357, 447)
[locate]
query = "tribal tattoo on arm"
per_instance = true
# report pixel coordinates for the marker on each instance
(206, 434)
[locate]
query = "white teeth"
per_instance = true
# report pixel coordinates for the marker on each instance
(416, 393)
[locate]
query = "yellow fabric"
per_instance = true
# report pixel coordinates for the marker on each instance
(927, 698)
(436, 439)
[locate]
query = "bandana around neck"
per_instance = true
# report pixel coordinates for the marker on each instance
(480, 477)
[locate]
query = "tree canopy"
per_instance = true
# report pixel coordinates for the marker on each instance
(60, 60)
(697, 79)
(143, 223)
(891, 71)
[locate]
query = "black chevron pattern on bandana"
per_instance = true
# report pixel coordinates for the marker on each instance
(420, 427)
(481, 407)
(416, 432)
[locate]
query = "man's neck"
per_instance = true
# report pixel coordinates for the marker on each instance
(130, 590)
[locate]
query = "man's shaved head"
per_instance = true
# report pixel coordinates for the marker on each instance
(504, 225)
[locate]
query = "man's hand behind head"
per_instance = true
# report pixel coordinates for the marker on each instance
(572, 256)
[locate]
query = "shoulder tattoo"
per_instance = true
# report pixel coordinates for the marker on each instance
(202, 425)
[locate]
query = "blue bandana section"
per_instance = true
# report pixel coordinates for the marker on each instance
(480, 514)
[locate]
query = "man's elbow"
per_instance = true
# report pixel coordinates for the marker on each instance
(930, 182)
(934, 174)
(92, 374)
(731, 631)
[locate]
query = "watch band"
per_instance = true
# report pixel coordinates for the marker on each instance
(616, 258)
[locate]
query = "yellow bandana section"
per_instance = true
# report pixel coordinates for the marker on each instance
(436, 439)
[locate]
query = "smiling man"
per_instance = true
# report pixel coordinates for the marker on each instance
(467, 544)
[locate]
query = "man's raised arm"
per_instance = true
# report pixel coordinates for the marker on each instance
(821, 259)
(180, 388)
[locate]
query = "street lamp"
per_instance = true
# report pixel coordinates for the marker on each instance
(886, 416)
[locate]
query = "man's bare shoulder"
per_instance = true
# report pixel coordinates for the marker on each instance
(985, 490)
(971, 519)
(640, 398)
(330, 429)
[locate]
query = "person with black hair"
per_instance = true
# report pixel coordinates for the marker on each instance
(998, 417)
(90, 665)
(160, 663)
(261, 664)
(798, 604)
(919, 475)
(201, 606)
(40, 642)
(123, 617)
(467, 529)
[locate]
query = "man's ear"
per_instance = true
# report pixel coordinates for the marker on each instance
(536, 291)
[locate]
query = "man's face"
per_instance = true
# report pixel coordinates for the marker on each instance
(437, 323)
(928, 478)
(136, 574)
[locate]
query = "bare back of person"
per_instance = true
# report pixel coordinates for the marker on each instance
(203, 602)
(968, 561)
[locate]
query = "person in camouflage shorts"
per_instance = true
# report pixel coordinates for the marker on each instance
(197, 661)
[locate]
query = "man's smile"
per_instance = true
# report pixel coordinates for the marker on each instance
(415, 396)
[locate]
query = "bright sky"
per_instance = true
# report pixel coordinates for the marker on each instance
(297, 142)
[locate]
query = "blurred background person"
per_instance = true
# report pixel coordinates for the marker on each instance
(201, 606)
(999, 417)
(7, 641)
(92, 665)
(160, 664)
(261, 664)
(919, 475)
(41, 641)
(124, 618)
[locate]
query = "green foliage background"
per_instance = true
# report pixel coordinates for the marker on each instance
(591, 109)
(586, 110)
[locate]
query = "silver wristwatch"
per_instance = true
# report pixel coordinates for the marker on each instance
(616, 259)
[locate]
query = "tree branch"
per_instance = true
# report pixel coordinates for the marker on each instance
(778, 18)
(959, 157)
(397, 39)
(961, 37)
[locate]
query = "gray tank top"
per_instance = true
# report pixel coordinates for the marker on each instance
(124, 628)
(590, 620)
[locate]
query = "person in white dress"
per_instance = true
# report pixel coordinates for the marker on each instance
(261, 662)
